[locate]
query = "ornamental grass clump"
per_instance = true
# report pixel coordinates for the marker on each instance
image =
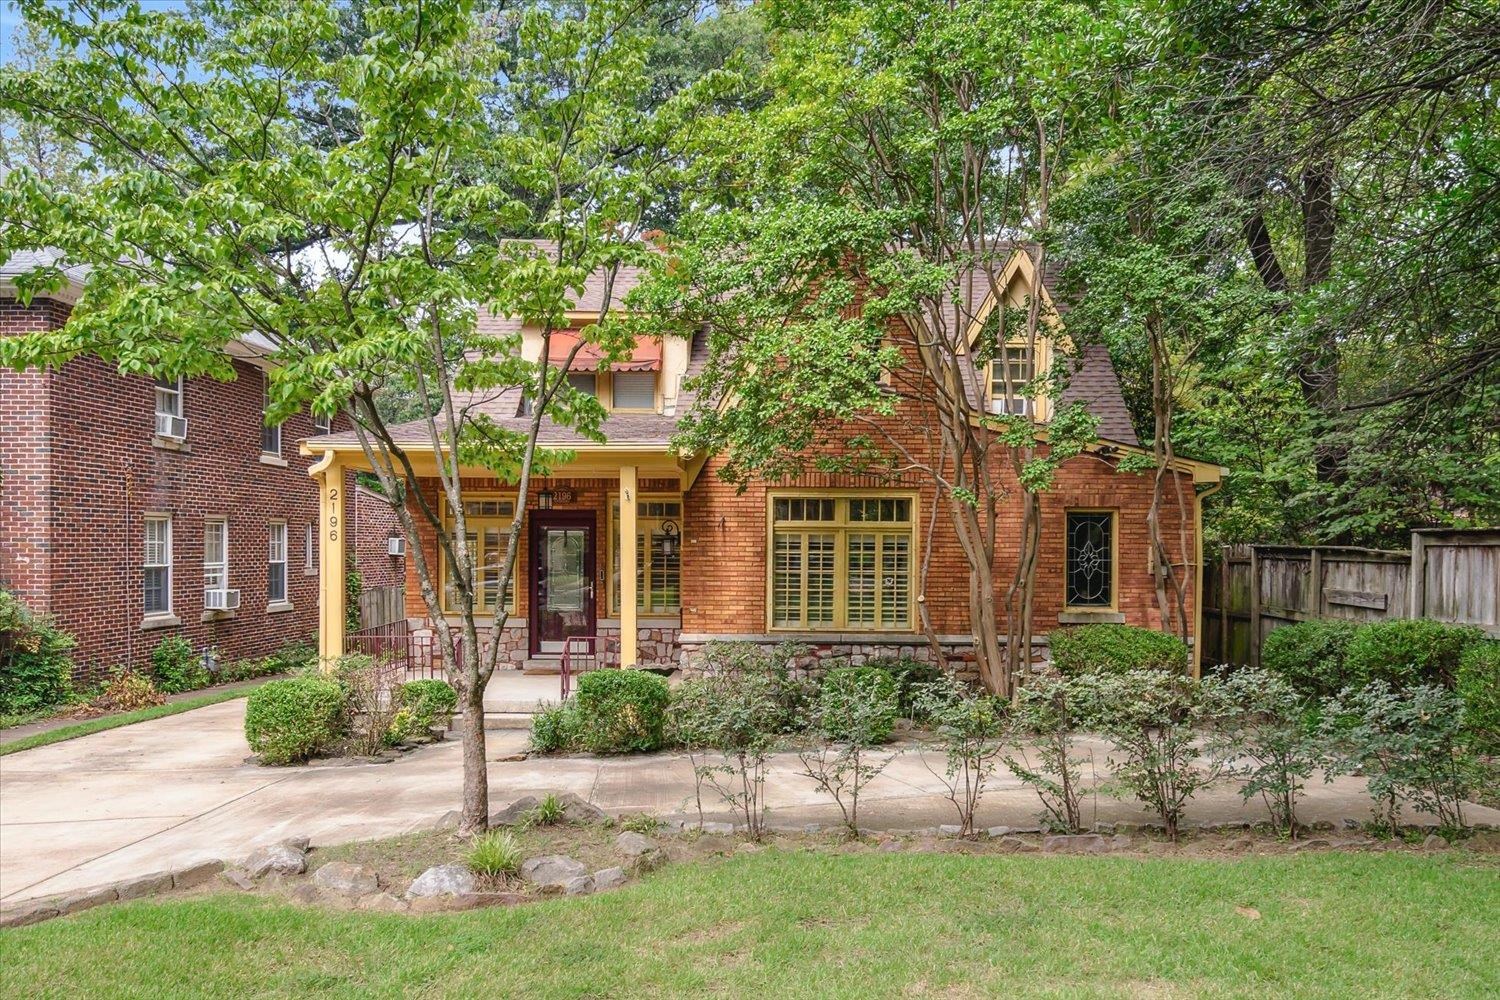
(495, 854)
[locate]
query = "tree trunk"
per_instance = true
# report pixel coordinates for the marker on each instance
(476, 800)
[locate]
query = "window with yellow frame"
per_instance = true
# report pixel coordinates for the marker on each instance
(487, 520)
(841, 562)
(658, 555)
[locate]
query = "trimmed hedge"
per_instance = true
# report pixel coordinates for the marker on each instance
(1115, 649)
(1310, 655)
(34, 661)
(555, 729)
(1479, 686)
(426, 700)
(620, 711)
(858, 704)
(1406, 652)
(288, 721)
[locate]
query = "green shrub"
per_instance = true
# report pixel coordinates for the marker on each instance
(288, 721)
(34, 660)
(858, 704)
(620, 711)
(548, 812)
(289, 659)
(176, 667)
(1406, 652)
(643, 823)
(1310, 655)
(1115, 649)
(1479, 687)
(796, 697)
(555, 729)
(428, 702)
(911, 677)
(494, 854)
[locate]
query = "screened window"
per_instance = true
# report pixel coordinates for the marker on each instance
(1091, 560)
(488, 522)
(841, 562)
(215, 554)
(322, 424)
(158, 565)
(1015, 361)
(658, 555)
(635, 390)
(270, 435)
(169, 420)
(276, 563)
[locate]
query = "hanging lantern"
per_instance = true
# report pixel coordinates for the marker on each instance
(668, 538)
(544, 498)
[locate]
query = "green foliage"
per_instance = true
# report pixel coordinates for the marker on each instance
(621, 711)
(556, 728)
(1087, 649)
(858, 705)
(176, 667)
(1046, 716)
(912, 676)
(1261, 739)
(1405, 652)
(494, 853)
(1310, 655)
(548, 812)
(288, 721)
(353, 587)
(729, 723)
(968, 729)
(1479, 687)
(796, 696)
(429, 702)
(1413, 746)
(642, 823)
(35, 666)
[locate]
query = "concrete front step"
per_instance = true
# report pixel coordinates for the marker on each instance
(542, 666)
(508, 720)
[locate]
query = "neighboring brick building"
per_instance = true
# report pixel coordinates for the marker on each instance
(842, 563)
(127, 508)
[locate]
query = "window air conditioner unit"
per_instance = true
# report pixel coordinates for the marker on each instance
(395, 546)
(168, 426)
(221, 600)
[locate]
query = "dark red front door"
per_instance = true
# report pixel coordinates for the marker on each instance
(562, 578)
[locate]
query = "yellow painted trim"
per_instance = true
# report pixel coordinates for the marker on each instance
(629, 494)
(1198, 559)
(331, 556)
(841, 527)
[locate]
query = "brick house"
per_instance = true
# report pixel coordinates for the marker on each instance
(132, 510)
(833, 561)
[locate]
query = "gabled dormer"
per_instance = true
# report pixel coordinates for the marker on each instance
(648, 381)
(1016, 363)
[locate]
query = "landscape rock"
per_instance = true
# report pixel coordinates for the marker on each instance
(551, 870)
(1433, 842)
(203, 871)
(1239, 844)
(239, 878)
(1081, 843)
(580, 886)
(283, 859)
(1315, 844)
(1015, 845)
(749, 847)
(442, 880)
(145, 885)
(723, 829)
(890, 846)
(305, 892)
(342, 877)
(87, 899)
(297, 843)
(609, 878)
(579, 810)
(812, 828)
(515, 813)
(1485, 842)
(949, 830)
(447, 821)
(28, 913)
(1349, 823)
(383, 902)
(633, 845)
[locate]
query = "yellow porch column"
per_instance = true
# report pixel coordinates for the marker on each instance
(628, 567)
(331, 593)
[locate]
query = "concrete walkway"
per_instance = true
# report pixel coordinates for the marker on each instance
(176, 790)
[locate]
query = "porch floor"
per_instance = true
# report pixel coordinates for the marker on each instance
(511, 691)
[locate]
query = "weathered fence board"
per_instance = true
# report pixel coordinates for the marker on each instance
(381, 606)
(1451, 576)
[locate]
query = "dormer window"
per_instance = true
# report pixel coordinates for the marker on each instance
(1014, 361)
(635, 390)
(169, 419)
(584, 382)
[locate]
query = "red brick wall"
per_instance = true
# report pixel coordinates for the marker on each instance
(372, 521)
(95, 429)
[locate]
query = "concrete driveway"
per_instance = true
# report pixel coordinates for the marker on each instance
(169, 792)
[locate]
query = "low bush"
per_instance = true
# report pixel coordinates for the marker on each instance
(290, 659)
(126, 690)
(1046, 717)
(494, 854)
(288, 721)
(911, 677)
(1115, 649)
(1407, 652)
(34, 661)
(621, 711)
(555, 729)
(796, 697)
(969, 729)
(858, 704)
(176, 667)
(1310, 655)
(729, 724)
(426, 703)
(1479, 687)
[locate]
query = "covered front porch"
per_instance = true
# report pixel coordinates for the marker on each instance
(576, 593)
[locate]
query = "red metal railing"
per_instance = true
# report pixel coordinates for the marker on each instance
(417, 654)
(582, 653)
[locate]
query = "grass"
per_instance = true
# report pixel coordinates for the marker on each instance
(99, 725)
(793, 923)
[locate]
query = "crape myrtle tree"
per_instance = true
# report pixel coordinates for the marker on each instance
(845, 225)
(348, 199)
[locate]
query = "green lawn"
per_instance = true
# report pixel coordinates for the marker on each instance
(104, 722)
(784, 924)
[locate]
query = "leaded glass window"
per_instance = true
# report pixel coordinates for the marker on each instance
(1091, 567)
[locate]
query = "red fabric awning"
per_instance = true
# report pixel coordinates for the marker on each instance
(646, 357)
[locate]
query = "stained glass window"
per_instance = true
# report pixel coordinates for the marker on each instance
(1090, 559)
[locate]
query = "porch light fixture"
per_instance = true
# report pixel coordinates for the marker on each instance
(668, 538)
(544, 498)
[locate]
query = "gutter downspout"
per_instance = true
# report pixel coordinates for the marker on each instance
(1198, 563)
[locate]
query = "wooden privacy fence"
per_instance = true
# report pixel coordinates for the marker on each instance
(381, 606)
(1451, 576)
